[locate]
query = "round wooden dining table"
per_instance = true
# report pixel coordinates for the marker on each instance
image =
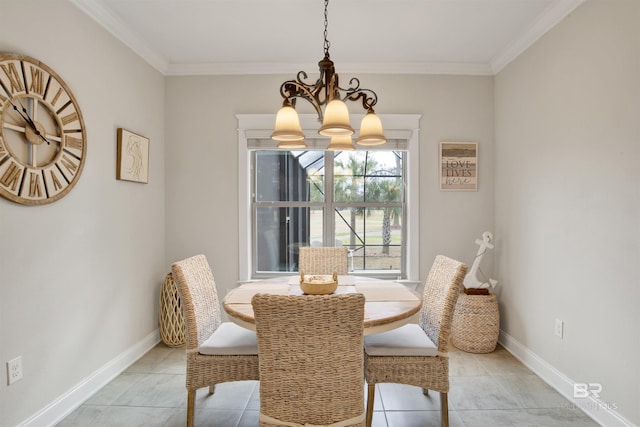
(388, 305)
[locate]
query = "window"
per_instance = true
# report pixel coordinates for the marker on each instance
(365, 200)
(324, 198)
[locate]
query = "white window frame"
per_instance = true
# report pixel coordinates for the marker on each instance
(260, 126)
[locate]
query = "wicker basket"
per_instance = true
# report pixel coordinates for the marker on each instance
(318, 284)
(170, 320)
(476, 323)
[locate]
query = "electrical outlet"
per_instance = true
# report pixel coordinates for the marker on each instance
(559, 328)
(14, 370)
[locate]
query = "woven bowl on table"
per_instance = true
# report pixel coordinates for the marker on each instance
(318, 284)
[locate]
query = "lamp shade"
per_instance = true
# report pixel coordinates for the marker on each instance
(288, 126)
(336, 120)
(341, 143)
(371, 130)
(292, 145)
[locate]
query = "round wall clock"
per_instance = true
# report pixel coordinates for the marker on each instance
(42, 133)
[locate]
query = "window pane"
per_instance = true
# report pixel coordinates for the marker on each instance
(289, 176)
(385, 190)
(368, 176)
(374, 237)
(291, 210)
(316, 227)
(279, 233)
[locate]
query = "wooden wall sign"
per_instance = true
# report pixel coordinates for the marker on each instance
(458, 166)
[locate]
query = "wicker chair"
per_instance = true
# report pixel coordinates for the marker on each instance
(416, 354)
(311, 365)
(217, 351)
(323, 260)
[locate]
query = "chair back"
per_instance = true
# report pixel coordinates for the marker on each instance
(323, 260)
(441, 291)
(310, 358)
(199, 299)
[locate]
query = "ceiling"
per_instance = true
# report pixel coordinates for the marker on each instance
(200, 37)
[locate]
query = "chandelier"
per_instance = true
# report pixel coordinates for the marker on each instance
(326, 92)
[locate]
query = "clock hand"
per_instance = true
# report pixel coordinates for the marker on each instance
(25, 115)
(15, 107)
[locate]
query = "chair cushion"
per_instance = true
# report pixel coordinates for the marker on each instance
(408, 340)
(230, 339)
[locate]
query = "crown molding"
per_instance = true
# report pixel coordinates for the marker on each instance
(229, 68)
(100, 13)
(550, 17)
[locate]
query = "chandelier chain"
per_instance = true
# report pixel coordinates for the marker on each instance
(326, 24)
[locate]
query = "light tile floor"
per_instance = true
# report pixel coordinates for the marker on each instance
(487, 390)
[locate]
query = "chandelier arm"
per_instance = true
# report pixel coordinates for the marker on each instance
(289, 88)
(354, 84)
(292, 89)
(367, 96)
(354, 92)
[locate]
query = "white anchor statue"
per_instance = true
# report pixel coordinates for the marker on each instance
(471, 280)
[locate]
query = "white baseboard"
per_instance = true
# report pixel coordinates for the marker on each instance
(601, 412)
(73, 398)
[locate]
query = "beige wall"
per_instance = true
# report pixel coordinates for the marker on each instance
(567, 159)
(79, 278)
(202, 160)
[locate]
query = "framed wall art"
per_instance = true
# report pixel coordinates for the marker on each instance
(133, 157)
(458, 166)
